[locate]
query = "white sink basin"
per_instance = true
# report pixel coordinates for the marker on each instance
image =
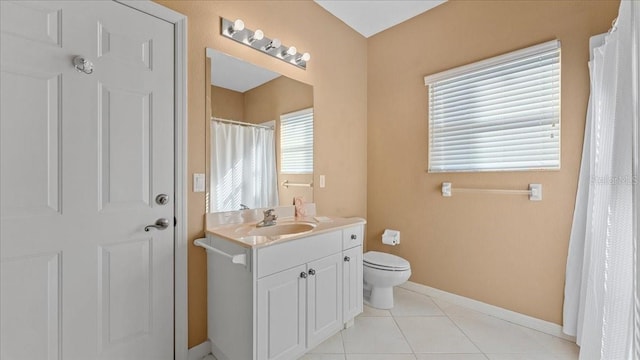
(282, 229)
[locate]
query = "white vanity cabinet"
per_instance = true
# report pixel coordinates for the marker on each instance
(288, 298)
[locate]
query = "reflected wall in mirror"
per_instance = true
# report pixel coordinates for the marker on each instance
(260, 137)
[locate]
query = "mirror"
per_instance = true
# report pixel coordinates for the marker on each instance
(259, 148)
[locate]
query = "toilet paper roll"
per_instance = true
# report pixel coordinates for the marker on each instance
(391, 237)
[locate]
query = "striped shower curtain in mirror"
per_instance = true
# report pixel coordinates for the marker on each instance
(243, 167)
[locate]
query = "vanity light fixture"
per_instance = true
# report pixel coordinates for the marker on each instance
(256, 39)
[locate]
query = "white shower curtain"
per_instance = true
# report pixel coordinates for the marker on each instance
(599, 290)
(243, 167)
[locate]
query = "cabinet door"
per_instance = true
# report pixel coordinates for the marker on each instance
(281, 315)
(324, 298)
(352, 282)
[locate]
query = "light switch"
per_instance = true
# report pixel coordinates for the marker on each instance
(198, 182)
(322, 184)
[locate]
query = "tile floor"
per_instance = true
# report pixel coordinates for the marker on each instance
(424, 328)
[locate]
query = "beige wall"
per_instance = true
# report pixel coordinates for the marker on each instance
(267, 102)
(227, 104)
(503, 250)
(340, 100)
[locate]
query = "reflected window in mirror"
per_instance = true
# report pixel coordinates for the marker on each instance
(296, 142)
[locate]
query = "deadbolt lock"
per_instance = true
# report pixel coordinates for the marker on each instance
(162, 199)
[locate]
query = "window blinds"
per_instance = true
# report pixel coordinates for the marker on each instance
(296, 142)
(499, 114)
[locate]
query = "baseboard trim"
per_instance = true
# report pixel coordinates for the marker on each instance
(199, 351)
(491, 310)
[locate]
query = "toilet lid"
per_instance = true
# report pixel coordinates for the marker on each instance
(382, 260)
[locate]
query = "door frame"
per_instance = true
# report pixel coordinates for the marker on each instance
(180, 234)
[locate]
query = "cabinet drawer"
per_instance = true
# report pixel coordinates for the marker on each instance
(352, 236)
(278, 257)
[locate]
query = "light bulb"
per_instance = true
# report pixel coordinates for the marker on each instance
(292, 51)
(257, 35)
(238, 25)
(305, 57)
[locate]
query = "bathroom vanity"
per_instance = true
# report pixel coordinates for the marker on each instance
(276, 292)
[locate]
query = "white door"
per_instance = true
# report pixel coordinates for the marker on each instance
(281, 313)
(324, 299)
(83, 157)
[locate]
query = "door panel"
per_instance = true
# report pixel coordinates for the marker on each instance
(125, 300)
(33, 21)
(127, 48)
(83, 157)
(35, 304)
(31, 104)
(125, 148)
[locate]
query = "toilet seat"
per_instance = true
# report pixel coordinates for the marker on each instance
(384, 261)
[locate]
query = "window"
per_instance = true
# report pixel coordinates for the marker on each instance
(498, 114)
(296, 142)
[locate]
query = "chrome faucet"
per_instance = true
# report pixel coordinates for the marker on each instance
(269, 218)
(244, 207)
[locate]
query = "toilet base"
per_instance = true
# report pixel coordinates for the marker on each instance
(380, 298)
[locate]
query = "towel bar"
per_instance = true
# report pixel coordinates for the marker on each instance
(240, 259)
(286, 184)
(534, 191)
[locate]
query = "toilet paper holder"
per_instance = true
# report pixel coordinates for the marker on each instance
(391, 237)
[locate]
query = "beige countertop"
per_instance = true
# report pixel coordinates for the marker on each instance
(239, 233)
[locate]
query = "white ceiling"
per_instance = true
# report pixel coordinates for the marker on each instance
(235, 74)
(369, 17)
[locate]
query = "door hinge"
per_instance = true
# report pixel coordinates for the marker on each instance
(175, 221)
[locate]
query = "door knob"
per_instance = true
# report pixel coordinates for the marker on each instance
(303, 275)
(160, 224)
(312, 272)
(346, 258)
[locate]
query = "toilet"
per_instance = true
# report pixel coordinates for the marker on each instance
(381, 272)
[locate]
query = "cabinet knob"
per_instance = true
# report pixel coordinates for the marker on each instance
(303, 275)
(346, 258)
(312, 272)
(354, 236)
